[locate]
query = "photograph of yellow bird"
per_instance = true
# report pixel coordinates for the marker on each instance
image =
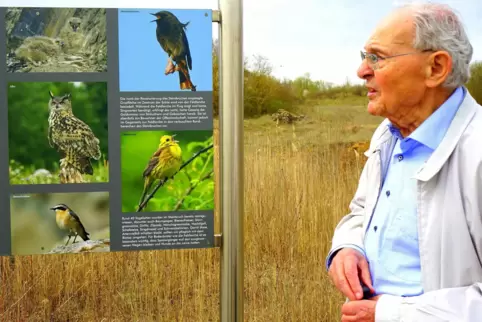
(163, 164)
(67, 219)
(177, 177)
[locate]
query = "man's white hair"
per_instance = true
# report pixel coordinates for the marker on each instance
(438, 27)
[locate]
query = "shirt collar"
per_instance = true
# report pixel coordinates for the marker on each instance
(431, 132)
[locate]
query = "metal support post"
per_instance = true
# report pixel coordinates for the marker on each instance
(231, 67)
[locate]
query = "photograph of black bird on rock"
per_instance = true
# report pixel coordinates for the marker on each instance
(171, 35)
(157, 44)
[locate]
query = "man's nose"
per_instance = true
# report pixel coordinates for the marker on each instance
(364, 71)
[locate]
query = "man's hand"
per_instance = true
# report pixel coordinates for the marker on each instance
(347, 265)
(359, 311)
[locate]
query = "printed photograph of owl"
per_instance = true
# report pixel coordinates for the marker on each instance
(56, 40)
(58, 132)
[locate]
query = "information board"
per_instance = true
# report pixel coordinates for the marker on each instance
(107, 130)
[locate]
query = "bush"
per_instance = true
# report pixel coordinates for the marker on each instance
(474, 85)
(264, 93)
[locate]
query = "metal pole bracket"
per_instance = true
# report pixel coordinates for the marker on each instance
(216, 16)
(218, 240)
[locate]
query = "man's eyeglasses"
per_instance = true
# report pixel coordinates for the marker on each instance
(373, 59)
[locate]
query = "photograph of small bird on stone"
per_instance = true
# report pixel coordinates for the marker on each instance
(68, 220)
(171, 35)
(61, 222)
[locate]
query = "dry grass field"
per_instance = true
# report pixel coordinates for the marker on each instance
(298, 183)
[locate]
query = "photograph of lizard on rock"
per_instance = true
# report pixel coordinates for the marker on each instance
(56, 40)
(165, 50)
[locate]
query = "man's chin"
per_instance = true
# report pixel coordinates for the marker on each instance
(373, 108)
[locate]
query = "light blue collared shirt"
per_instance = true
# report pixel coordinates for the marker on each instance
(391, 242)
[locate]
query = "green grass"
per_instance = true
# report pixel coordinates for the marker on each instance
(339, 101)
(22, 174)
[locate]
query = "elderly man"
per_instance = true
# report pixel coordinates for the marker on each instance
(413, 236)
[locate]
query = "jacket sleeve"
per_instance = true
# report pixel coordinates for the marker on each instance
(349, 231)
(461, 304)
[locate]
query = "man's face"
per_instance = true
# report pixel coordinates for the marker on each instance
(396, 85)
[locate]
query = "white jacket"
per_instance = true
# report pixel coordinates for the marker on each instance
(449, 210)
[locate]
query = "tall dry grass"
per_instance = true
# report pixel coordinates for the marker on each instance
(296, 190)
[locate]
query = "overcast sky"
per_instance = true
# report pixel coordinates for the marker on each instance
(321, 37)
(324, 37)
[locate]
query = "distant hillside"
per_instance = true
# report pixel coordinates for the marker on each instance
(265, 94)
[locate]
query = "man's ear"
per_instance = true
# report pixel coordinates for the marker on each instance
(438, 69)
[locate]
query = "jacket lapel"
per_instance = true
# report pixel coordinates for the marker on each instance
(438, 158)
(455, 131)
